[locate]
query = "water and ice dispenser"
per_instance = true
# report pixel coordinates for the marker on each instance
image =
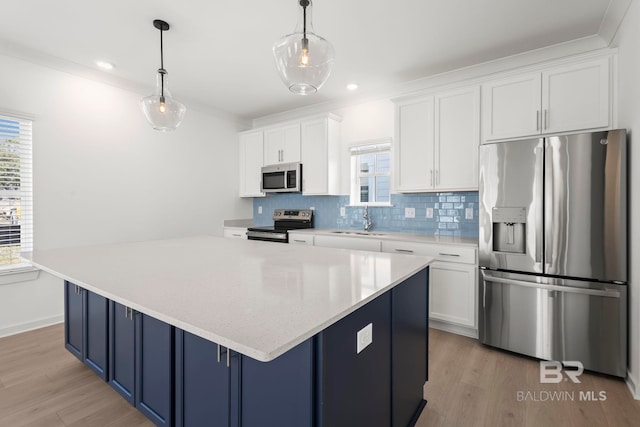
(509, 230)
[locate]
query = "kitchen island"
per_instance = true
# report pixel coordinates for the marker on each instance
(224, 332)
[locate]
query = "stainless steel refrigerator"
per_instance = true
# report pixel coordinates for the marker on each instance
(553, 248)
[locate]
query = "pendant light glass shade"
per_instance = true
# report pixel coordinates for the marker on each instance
(161, 110)
(303, 59)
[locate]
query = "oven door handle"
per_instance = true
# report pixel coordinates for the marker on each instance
(267, 235)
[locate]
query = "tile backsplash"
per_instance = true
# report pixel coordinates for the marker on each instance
(450, 214)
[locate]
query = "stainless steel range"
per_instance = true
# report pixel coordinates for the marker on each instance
(283, 220)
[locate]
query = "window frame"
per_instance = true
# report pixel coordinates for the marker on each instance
(17, 269)
(358, 149)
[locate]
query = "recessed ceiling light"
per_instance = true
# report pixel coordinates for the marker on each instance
(352, 86)
(105, 65)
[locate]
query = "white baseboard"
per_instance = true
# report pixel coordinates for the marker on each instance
(29, 326)
(455, 329)
(632, 384)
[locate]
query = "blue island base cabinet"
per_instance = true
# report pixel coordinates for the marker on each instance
(178, 379)
(86, 327)
(355, 388)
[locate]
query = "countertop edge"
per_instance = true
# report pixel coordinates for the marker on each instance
(226, 342)
(394, 236)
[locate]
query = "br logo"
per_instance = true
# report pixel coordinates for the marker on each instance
(551, 371)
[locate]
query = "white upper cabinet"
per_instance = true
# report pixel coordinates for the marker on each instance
(282, 144)
(436, 144)
(457, 138)
(413, 146)
(576, 97)
(511, 107)
(320, 154)
(251, 158)
(561, 99)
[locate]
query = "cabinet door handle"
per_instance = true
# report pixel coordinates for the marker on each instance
(545, 122)
(437, 176)
(299, 241)
(406, 251)
(430, 177)
(236, 235)
(219, 353)
(537, 119)
(446, 254)
(228, 357)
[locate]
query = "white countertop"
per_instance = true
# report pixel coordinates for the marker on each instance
(392, 235)
(258, 298)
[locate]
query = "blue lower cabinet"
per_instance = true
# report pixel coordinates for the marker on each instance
(367, 369)
(409, 335)
(154, 369)
(122, 341)
(354, 389)
(203, 381)
(96, 336)
(280, 392)
(86, 327)
(73, 319)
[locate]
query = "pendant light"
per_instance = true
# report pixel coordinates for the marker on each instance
(161, 110)
(303, 59)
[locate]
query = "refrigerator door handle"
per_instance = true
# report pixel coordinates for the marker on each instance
(539, 217)
(570, 289)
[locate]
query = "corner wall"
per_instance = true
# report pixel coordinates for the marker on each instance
(628, 42)
(103, 175)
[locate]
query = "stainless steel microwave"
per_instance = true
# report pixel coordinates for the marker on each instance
(282, 178)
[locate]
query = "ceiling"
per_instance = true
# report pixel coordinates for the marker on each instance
(218, 53)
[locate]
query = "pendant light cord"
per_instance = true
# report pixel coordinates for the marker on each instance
(304, 21)
(304, 4)
(161, 70)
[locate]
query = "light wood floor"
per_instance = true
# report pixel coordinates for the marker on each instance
(41, 384)
(474, 385)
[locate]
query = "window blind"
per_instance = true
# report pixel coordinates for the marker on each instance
(16, 190)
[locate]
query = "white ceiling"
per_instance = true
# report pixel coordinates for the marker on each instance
(218, 52)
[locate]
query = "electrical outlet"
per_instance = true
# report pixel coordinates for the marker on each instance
(364, 337)
(312, 208)
(409, 212)
(468, 213)
(259, 210)
(343, 211)
(429, 212)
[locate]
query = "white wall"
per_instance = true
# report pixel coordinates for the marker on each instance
(102, 174)
(628, 42)
(363, 122)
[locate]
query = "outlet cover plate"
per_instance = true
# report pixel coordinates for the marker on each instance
(468, 213)
(409, 212)
(364, 337)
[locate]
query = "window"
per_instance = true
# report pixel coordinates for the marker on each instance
(16, 201)
(371, 173)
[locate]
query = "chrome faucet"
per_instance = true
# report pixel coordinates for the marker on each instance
(366, 221)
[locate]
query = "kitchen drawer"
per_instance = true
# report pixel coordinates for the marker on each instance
(358, 243)
(446, 253)
(301, 239)
(235, 232)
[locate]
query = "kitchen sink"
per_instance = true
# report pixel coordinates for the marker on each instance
(357, 233)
